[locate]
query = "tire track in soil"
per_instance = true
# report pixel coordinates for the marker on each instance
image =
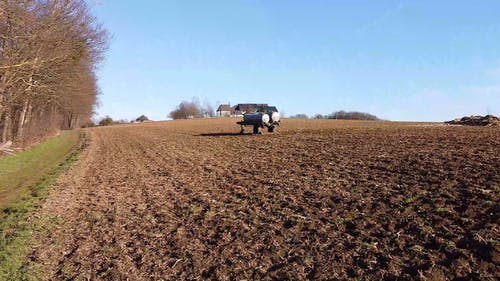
(315, 201)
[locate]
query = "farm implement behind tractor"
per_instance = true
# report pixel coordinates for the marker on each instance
(265, 117)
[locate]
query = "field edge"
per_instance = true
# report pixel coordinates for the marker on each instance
(20, 221)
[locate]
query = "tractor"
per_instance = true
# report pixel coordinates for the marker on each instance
(265, 117)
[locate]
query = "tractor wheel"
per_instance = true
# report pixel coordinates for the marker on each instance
(256, 130)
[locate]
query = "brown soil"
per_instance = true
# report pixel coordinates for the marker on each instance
(321, 200)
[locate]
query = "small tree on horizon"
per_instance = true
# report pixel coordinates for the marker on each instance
(186, 110)
(192, 109)
(300, 116)
(142, 118)
(106, 121)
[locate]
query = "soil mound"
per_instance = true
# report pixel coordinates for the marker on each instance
(488, 120)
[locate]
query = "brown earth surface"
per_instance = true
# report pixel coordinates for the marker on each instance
(319, 199)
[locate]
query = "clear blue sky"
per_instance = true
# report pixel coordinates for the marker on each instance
(400, 60)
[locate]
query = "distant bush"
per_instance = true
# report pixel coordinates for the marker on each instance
(106, 121)
(352, 115)
(300, 116)
(121, 121)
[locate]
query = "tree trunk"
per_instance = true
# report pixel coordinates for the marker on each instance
(1, 103)
(6, 126)
(7, 108)
(71, 118)
(22, 120)
(75, 121)
(28, 114)
(2, 93)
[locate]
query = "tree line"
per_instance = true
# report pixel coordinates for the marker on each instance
(108, 121)
(193, 109)
(340, 115)
(184, 110)
(49, 51)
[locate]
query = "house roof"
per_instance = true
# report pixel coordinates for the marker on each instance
(249, 106)
(224, 107)
(272, 109)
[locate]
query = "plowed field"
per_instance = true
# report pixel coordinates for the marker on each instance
(321, 200)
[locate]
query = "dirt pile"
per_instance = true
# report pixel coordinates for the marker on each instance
(488, 120)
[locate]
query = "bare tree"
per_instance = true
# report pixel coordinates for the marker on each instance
(49, 50)
(207, 109)
(187, 110)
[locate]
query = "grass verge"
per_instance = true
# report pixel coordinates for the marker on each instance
(25, 181)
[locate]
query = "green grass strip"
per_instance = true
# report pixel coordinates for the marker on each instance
(25, 181)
